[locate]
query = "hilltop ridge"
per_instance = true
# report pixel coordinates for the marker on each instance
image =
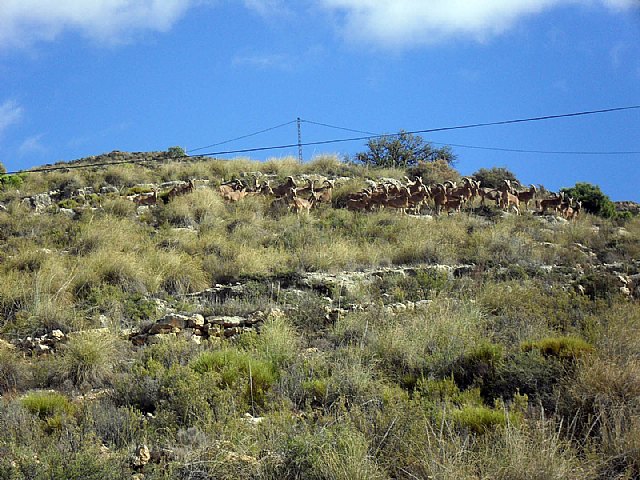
(155, 321)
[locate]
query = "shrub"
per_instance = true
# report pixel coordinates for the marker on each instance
(327, 165)
(176, 152)
(425, 342)
(88, 358)
(238, 368)
(344, 455)
(423, 284)
(438, 171)
(600, 286)
(46, 404)
(14, 371)
(569, 348)
(177, 272)
(477, 365)
(277, 342)
(118, 207)
(160, 382)
(493, 177)
(402, 150)
(114, 426)
(536, 451)
(10, 182)
(479, 419)
(592, 198)
(201, 207)
(526, 373)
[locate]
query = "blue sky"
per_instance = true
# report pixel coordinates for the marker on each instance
(140, 75)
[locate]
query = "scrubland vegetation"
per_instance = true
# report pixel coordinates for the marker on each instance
(522, 362)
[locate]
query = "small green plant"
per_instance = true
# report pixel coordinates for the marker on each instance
(480, 363)
(89, 359)
(479, 419)
(569, 348)
(8, 182)
(14, 372)
(238, 368)
(46, 404)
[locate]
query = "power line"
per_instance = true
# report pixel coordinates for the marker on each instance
(486, 124)
(456, 127)
(242, 137)
(530, 119)
(476, 147)
(543, 152)
(340, 128)
(368, 137)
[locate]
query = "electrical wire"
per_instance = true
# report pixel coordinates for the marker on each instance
(242, 137)
(367, 137)
(339, 128)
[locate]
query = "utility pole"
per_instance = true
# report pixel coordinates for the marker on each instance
(299, 141)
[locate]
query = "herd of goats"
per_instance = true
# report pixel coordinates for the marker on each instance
(411, 195)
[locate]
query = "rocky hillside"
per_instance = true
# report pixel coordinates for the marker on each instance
(154, 326)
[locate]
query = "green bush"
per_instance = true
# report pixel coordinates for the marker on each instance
(46, 404)
(88, 359)
(567, 348)
(493, 177)
(438, 171)
(238, 369)
(10, 182)
(527, 373)
(15, 374)
(477, 365)
(479, 419)
(402, 150)
(174, 393)
(176, 152)
(344, 455)
(592, 198)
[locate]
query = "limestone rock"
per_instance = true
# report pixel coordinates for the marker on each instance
(170, 323)
(141, 456)
(227, 321)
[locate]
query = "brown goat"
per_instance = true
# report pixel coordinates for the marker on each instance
(284, 188)
(146, 199)
(324, 194)
(179, 190)
(400, 201)
(301, 205)
(363, 202)
(527, 195)
(235, 196)
(551, 203)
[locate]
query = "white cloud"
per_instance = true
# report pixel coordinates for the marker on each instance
(10, 113)
(277, 61)
(32, 145)
(405, 22)
(267, 8)
(23, 22)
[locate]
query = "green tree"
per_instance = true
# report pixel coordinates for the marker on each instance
(493, 177)
(176, 152)
(9, 181)
(402, 150)
(593, 199)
